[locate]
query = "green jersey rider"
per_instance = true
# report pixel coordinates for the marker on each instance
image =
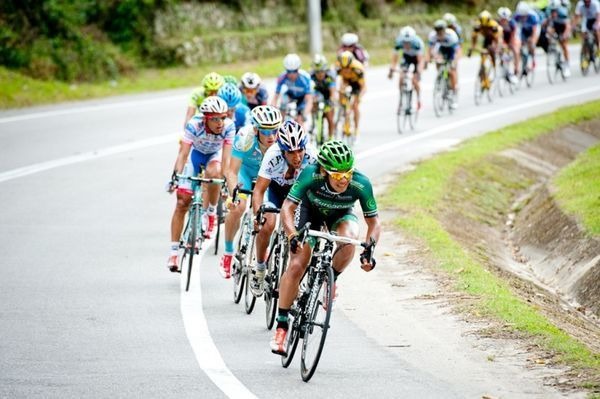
(325, 193)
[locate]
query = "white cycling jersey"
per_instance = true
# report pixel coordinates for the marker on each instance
(274, 166)
(587, 12)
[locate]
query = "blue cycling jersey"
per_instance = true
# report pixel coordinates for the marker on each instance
(562, 15)
(242, 116)
(527, 22)
(296, 89)
(416, 46)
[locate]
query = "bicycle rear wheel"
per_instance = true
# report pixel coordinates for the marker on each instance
(317, 323)
(249, 298)
(275, 269)
(400, 113)
(190, 246)
(438, 96)
(552, 68)
(293, 337)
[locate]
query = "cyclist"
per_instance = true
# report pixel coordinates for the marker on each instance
(509, 37)
(589, 11)
(558, 22)
(350, 43)
(208, 136)
(236, 111)
(351, 73)
(491, 32)
(323, 79)
(254, 92)
(279, 170)
(445, 43)
(412, 54)
(528, 23)
(249, 147)
(211, 83)
(230, 79)
(298, 86)
(324, 195)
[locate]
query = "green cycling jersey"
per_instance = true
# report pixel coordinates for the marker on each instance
(311, 186)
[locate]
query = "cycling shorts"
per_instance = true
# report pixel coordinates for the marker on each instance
(276, 194)
(306, 213)
(202, 160)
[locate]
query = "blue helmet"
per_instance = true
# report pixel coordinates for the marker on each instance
(291, 136)
(231, 94)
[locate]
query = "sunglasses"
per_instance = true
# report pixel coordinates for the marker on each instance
(292, 71)
(217, 118)
(341, 175)
(267, 132)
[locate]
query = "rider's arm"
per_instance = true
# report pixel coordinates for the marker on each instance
(189, 113)
(288, 209)
(258, 194)
(182, 156)
(231, 173)
(225, 158)
(373, 229)
(393, 64)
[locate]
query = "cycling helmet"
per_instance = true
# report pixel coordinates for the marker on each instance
(212, 81)
(449, 18)
(231, 94)
(349, 39)
(522, 8)
(213, 105)
(291, 136)
(504, 13)
(250, 80)
(345, 59)
(485, 17)
(266, 117)
(408, 33)
(292, 62)
(554, 4)
(440, 24)
(335, 156)
(230, 79)
(320, 63)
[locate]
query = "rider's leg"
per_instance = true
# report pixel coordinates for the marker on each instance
(183, 204)
(345, 253)
(232, 224)
(290, 280)
(330, 124)
(514, 47)
(356, 109)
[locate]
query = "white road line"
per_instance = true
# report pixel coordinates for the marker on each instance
(444, 127)
(196, 328)
(88, 108)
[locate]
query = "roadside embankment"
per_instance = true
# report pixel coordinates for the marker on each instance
(487, 217)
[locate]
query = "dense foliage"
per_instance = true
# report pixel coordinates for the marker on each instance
(87, 40)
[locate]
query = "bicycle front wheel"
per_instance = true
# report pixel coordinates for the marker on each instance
(237, 267)
(400, 113)
(275, 269)
(317, 323)
(412, 109)
(190, 246)
(249, 298)
(552, 65)
(438, 96)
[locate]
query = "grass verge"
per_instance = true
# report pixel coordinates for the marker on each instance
(18, 90)
(422, 194)
(578, 189)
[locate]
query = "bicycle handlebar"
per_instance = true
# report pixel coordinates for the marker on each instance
(202, 179)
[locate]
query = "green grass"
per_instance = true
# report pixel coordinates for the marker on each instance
(578, 189)
(422, 194)
(18, 90)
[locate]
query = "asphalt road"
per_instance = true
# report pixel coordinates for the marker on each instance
(87, 307)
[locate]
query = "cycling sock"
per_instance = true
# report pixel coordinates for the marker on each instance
(261, 265)
(174, 247)
(282, 318)
(336, 274)
(229, 247)
(212, 209)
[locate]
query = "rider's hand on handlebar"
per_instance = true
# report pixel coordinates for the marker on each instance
(173, 183)
(367, 260)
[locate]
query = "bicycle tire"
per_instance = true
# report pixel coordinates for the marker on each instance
(220, 216)
(276, 268)
(478, 93)
(293, 337)
(191, 242)
(413, 109)
(309, 361)
(237, 274)
(249, 298)
(551, 65)
(438, 96)
(399, 114)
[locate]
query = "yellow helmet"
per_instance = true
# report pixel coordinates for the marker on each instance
(485, 17)
(345, 59)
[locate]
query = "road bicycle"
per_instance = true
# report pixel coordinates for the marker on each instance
(276, 264)
(191, 240)
(319, 121)
(527, 71)
(345, 128)
(310, 314)
(486, 76)
(589, 53)
(442, 93)
(408, 110)
(506, 82)
(241, 265)
(555, 59)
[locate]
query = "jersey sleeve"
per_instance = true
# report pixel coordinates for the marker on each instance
(196, 97)
(189, 132)
(367, 200)
(229, 133)
(280, 81)
(302, 184)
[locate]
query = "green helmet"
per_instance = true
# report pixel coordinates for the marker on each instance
(212, 82)
(335, 156)
(230, 79)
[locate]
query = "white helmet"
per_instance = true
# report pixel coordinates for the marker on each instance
(504, 13)
(522, 8)
(449, 18)
(292, 62)
(266, 117)
(291, 136)
(213, 105)
(349, 39)
(250, 80)
(407, 33)
(554, 4)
